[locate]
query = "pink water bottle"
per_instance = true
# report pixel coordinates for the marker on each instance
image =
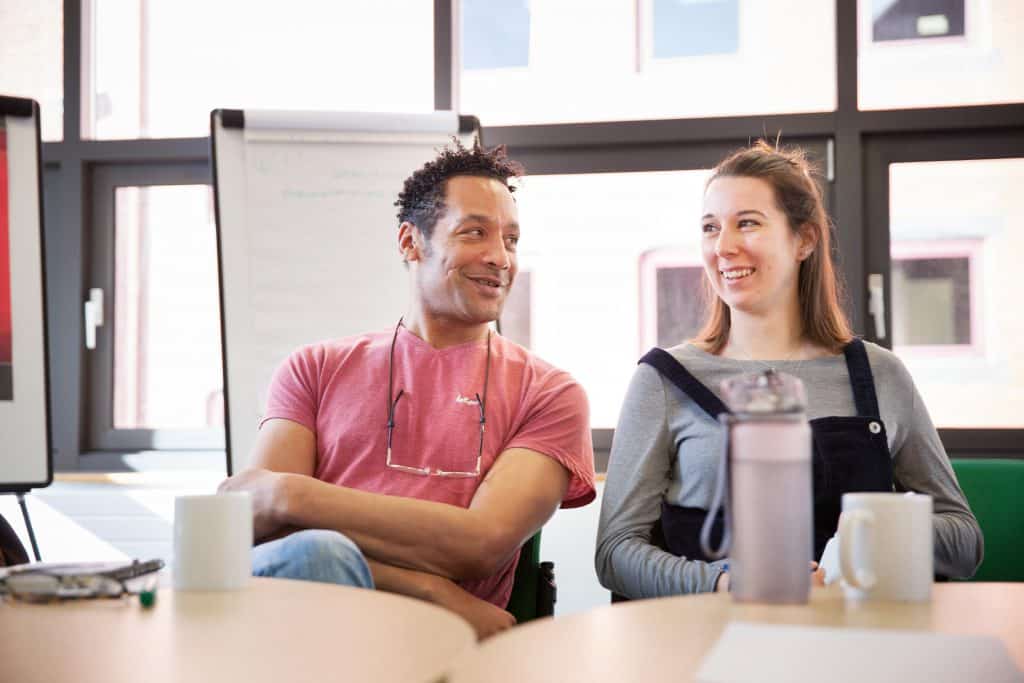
(765, 479)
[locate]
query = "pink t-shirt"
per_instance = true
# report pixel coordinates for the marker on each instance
(339, 390)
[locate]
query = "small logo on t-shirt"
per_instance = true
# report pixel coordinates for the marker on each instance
(468, 401)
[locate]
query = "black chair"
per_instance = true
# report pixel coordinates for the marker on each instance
(533, 592)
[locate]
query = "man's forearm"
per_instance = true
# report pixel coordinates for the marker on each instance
(409, 582)
(441, 539)
(485, 618)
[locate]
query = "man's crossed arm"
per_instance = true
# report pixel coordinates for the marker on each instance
(519, 494)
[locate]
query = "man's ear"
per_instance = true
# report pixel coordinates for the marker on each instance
(409, 242)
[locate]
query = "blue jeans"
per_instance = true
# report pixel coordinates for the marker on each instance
(313, 555)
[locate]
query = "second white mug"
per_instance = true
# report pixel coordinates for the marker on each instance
(885, 546)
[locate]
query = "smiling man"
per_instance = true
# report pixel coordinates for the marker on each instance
(419, 459)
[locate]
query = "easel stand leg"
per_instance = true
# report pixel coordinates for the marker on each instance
(28, 525)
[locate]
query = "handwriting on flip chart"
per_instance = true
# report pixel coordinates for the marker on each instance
(323, 258)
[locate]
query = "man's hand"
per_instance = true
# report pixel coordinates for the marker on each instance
(268, 491)
(722, 585)
(485, 618)
(520, 492)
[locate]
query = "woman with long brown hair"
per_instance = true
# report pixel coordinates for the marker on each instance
(774, 302)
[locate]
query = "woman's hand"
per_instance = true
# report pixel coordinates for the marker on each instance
(817, 578)
(817, 575)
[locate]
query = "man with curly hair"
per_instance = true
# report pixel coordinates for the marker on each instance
(419, 459)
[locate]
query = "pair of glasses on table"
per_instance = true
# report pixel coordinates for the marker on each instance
(72, 582)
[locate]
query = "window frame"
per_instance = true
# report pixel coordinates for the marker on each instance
(564, 148)
(102, 435)
(882, 150)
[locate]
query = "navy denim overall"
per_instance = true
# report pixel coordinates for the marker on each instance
(849, 454)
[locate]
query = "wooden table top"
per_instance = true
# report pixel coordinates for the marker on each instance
(666, 639)
(273, 630)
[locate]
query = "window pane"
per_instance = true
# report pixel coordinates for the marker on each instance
(602, 272)
(956, 249)
(568, 61)
(515, 317)
(688, 29)
(940, 53)
(932, 299)
(32, 58)
(678, 317)
(167, 358)
(500, 35)
(307, 54)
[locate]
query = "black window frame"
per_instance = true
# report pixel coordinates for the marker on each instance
(883, 149)
(104, 180)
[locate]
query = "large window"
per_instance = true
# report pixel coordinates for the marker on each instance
(940, 53)
(585, 238)
(955, 251)
(156, 69)
(541, 62)
(167, 359)
(31, 58)
(155, 356)
(617, 109)
(615, 263)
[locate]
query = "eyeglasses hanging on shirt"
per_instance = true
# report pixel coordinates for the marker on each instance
(393, 405)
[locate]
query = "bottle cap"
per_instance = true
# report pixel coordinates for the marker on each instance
(767, 392)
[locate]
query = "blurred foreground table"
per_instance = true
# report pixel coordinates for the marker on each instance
(273, 630)
(666, 639)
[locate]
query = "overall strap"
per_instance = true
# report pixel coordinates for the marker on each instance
(861, 379)
(673, 370)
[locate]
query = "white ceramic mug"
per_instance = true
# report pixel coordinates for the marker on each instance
(885, 546)
(212, 541)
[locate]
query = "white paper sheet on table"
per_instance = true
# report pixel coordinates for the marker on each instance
(748, 652)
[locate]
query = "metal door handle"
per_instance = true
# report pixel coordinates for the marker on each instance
(876, 303)
(93, 316)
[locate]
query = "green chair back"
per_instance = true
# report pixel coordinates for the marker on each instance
(993, 489)
(531, 596)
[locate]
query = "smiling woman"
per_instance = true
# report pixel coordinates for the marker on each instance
(751, 256)
(779, 212)
(775, 304)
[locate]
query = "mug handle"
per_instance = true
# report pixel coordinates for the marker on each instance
(855, 530)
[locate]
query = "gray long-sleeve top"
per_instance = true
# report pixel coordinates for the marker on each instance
(666, 448)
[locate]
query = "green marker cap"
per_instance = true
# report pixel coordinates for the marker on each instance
(147, 598)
